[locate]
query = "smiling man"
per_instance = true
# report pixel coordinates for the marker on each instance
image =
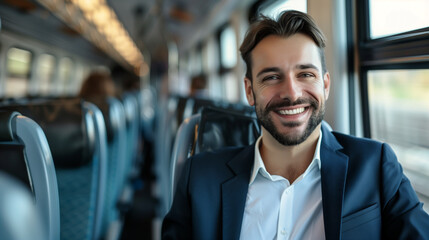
(299, 180)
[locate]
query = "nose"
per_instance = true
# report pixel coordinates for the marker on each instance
(290, 89)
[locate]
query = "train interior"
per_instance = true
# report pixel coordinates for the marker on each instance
(105, 166)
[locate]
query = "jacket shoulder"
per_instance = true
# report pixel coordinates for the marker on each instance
(351, 142)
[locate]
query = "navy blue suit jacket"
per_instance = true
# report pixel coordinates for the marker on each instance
(365, 195)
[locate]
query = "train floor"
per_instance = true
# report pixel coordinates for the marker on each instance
(140, 220)
(138, 223)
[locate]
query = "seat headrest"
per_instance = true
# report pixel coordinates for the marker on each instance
(6, 133)
(221, 128)
(64, 125)
(103, 104)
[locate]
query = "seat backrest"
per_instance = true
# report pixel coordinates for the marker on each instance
(132, 118)
(182, 149)
(222, 128)
(115, 122)
(100, 152)
(20, 219)
(71, 133)
(168, 118)
(25, 153)
(209, 130)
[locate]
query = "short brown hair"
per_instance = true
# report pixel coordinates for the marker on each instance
(97, 84)
(288, 23)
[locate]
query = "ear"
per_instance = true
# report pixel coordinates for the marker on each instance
(249, 91)
(327, 84)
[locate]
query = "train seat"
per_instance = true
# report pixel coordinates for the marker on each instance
(74, 137)
(133, 161)
(211, 129)
(132, 118)
(179, 108)
(25, 155)
(115, 122)
(221, 127)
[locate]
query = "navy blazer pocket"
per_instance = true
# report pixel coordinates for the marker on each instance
(360, 217)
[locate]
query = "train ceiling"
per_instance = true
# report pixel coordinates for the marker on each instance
(151, 24)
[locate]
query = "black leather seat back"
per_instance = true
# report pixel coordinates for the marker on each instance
(64, 126)
(222, 127)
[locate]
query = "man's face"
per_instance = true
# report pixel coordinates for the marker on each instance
(288, 89)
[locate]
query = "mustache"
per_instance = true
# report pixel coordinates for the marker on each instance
(286, 102)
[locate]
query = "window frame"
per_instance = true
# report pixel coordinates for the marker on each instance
(407, 50)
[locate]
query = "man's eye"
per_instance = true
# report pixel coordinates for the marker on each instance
(306, 75)
(271, 77)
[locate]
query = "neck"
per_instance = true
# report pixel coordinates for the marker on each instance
(288, 161)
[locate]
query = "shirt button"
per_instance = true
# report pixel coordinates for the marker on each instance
(283, 232)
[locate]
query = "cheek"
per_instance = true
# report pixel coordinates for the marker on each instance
(316, 91)
(262, 96)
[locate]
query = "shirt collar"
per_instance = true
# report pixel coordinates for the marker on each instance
(259, 166)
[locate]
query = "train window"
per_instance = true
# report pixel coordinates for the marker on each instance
(272, 9)
(228, 48)
(384, 20)
(45, 73)
(394, 84)
(65, 69)
(397, 97)
(18, 72)
(210, 61)
(231, 87)
(81, 70)
(195, 63)
(399, 112)
(211, 65)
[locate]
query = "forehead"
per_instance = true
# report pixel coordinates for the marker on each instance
(278, 51)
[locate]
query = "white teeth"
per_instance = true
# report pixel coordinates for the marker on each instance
(292, 112)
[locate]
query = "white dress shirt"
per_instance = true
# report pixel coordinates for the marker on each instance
(275, 209)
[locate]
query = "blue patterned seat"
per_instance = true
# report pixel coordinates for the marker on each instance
(117, 163)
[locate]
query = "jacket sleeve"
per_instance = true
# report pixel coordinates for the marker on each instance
(177, 223)
(403, 215)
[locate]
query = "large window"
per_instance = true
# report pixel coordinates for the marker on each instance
(228, 47)
(195, 61)
(210, 67)
(399, 115)
(394, 70)
(45, 73)
(18, 66)
(65, 69)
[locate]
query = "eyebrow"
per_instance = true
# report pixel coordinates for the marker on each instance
(269, 69)
(276, 69)
(307, 66)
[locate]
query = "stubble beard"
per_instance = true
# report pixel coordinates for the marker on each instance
(266, 121)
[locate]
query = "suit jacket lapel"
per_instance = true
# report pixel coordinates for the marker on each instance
(333, 177)
(234, 192)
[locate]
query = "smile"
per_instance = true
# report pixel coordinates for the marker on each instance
(292, 111)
